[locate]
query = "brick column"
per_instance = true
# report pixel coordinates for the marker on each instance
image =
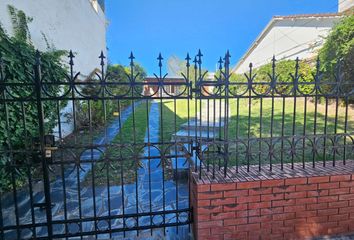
(288, 204)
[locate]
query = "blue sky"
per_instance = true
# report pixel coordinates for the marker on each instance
(175, 27)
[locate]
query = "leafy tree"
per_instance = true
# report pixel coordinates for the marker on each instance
(339, 45)
(138, 71)
(117, 74)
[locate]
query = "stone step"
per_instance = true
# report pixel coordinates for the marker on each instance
(202, 126)
(184, 135)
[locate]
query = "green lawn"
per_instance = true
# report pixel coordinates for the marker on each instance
(239, 120)
(285, 124)
(171, 122)
(260, 126)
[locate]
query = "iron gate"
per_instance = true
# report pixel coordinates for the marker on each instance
(109, 157)
(115, 162)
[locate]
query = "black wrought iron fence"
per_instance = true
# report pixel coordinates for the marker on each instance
(274, 119)
(107, 165)
(111, 158)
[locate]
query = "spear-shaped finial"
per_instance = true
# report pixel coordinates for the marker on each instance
(71, 58)
(160, 58)
(227, 57)
(102, 57)
(273, 66)
(318, 63)
(131, 57)
(188, 59)
(317, 75)
(195, 62)
(297, 63)
(273, 61)
(220, 63)
(200, 55)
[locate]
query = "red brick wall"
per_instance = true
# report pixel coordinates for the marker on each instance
(280, 207)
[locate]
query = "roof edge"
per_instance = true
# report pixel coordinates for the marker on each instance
(271, 23)
(255, 43)
(315, 15)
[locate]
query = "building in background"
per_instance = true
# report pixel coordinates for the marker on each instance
(345, 5)
(78, 25)
(288, 37)
(172, 86)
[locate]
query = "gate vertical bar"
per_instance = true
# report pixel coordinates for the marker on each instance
(200, 82)
(196, 85)
(38, 87)
(226, 113)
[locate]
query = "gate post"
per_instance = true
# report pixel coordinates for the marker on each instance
(38, 88)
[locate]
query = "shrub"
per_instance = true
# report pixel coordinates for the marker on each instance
(284, 72)
(18, 57)
(339, 45)
(118, 75)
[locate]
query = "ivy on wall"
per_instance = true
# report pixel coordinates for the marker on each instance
(19, 121)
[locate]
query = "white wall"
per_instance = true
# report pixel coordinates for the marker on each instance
(288, 39)
(345, 5)
(67, 24)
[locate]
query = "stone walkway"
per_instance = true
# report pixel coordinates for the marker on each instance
(348, 237)
(154, 181)
(149, 188)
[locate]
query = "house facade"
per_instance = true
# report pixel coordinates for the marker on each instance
(171, 86)
(77, 25)
(288, 37)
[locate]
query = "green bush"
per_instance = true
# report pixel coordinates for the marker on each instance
(284, 73)
(118, 75)
(18, 57)
(339, 45)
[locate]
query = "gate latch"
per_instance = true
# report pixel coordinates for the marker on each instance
(48, 151)
(49, 147)
(49, 142)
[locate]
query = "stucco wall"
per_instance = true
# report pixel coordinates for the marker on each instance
(344, 5)
(67, 24)
(288, 39)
